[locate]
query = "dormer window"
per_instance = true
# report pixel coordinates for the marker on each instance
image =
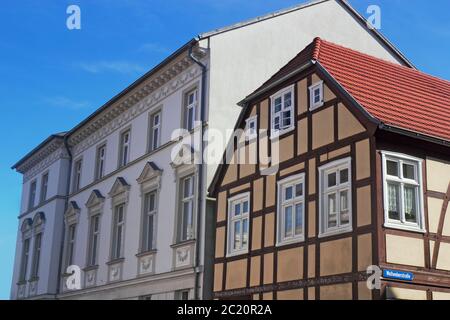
(251, 128)
(316, 95)
(282, 112)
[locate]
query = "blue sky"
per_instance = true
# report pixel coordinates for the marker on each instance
(51, 78)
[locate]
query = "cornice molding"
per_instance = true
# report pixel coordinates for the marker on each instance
(42, 160)
(138, 102)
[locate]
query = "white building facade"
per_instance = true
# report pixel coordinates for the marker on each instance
(113, 198)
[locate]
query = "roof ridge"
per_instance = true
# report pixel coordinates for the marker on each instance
(316, 51)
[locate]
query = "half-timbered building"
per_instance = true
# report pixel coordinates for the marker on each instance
(352, 172)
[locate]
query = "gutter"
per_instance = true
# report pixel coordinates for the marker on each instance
(200, 174)
(413, 134)
(66, 204)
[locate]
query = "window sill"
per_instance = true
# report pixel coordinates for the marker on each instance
(146, 253)
(280, 133)
(90, 268)
(183, 243)
(335, 232)
(236, 253)
(290, 241)
(404, 227)
(33, 279)
(317, 106)
(115, 261)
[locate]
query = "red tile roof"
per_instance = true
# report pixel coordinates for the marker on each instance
(395, 95)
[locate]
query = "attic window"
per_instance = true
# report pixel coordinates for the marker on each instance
(282, 111)
(316, 95)
(251, 127)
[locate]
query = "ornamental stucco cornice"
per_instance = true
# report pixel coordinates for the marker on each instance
(42, 160)
(136, 103)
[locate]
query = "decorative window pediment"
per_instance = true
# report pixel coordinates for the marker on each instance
(119, 191)
(72, 213)
(95, 202)
(38, 221)
(26, 227)
(150, 171)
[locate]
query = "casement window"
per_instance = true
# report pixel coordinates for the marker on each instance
(100, 162)
(251, 128)
(187, 209)
(94, 237)
(291, 208)
(36, 255)
(118, 232)
(402, 187)
(44, 187)
(70, 244)
(316, 95)
(238, 224)
(24, 260)
(77, 175)
(282, 111)
(335, 197)
(32, 196)
(190, 109)
(149, 219)
(155, 131)
(124, 149)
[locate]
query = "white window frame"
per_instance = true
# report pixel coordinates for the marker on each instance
(316, 86)
(280, 94)
(77, 172)
(188, 106)
(145, 227)
(240, 198)
(100, 162)
(25, 257)
(417, 182)
(250, 135)
(44, 187)
(37, 248)
(324, 190)
(70, 244)
(94, 239)
(291, 181)
(124, 158)
(117, 251)
(186, 227)
(32, 195)
(155, 128)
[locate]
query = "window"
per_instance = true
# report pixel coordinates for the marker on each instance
(44, 187)
(36, 255)
(70, 245)
(187, 209)
(252, 127)
(316, 95)
(282, 111)
(290, 220)
(155, 130)
(190, 109)
(100, 162)
(182, 295)
(403, 201)
(335, 197)
(94, 234)
(24, 260)
(118, 232)
(32, 196)
(77, 175)
(150, 209)
(124, 155)
(238, 220)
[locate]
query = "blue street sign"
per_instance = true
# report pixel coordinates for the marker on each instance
(398, 275)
